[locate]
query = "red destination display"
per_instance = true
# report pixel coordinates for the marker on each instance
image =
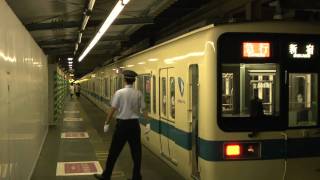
(256, 49)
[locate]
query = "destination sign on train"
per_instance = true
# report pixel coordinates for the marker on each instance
(256, 49)
(299, 51)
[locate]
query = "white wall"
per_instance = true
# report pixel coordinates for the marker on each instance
(23, 98)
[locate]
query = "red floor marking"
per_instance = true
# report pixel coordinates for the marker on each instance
(71, 168)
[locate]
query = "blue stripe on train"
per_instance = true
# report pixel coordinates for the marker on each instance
(213, 150)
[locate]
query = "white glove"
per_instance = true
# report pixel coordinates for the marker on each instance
(148, 128)
(106, 128)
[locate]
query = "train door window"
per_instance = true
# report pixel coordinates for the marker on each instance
(172, 97)
(146, 92)
(154, 94)
(303, 99)
(164, 96)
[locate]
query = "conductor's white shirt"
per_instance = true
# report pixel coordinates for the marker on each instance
(129, 102)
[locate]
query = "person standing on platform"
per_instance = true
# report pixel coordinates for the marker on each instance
(77, 89)
(129, 103)
(71, 90)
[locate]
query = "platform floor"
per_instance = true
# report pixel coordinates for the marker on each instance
(90, 149)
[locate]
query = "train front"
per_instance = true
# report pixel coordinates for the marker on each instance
(267, 104)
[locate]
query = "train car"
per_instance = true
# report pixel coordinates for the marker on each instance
(235, 101)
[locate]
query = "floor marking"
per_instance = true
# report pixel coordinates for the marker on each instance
(71, 111)
(74, 135)
(71, 119)
(78, 168)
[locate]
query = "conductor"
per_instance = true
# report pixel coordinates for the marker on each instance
(128, 102)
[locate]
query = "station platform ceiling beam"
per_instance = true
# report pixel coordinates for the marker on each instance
(93, 23)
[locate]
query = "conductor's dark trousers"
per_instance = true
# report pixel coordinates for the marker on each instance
(126, 130)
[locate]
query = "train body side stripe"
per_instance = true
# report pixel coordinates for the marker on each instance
(213, 150)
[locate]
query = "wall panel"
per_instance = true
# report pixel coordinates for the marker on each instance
(23, 98)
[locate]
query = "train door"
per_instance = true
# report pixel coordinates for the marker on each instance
(303, 138)
(167, 113)
(193, 116)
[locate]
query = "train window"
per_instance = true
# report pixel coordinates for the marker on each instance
(119, 82)
(144, 86)
(140, 83)
(250, 90)
(250, 97)
(93, 87)
(227, 92)
(154, 94)
(146, 92)
(172, 97)
(303, 96)
(164, 96)
(106, 88)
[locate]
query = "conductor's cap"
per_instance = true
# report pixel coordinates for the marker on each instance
(129, 74)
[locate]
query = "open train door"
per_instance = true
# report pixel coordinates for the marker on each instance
(167, 113)
(193, 116)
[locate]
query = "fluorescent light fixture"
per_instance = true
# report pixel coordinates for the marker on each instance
(70, 62)
(70, 59)
(130, 65)
(76, 47)
(153, 59)
(79, 38)
(107, 23)
(84, 23)
(91, 4)
(122, 67)
(141, 63)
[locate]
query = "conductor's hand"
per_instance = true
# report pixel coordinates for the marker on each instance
(106, 128)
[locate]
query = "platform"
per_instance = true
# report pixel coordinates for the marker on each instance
(77, 148)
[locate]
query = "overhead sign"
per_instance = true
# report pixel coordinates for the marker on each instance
(256, 49)
(306, 51)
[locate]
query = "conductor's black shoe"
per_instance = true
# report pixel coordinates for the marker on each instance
(98, 176)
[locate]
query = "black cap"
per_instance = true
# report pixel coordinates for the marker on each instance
(129, 74)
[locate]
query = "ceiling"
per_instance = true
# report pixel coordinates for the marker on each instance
(56, 24)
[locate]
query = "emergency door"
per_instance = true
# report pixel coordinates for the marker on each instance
(167, 113)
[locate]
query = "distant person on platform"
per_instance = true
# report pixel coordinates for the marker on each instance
(71, 89)
(129, 103)
(77, 89)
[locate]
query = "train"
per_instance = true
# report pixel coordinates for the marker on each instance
(228, 101)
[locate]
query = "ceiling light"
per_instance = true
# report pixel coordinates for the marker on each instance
(107, 23)
(130, 65)
(79, 38)
(141, 63)
(70, 59)
(153, 59)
